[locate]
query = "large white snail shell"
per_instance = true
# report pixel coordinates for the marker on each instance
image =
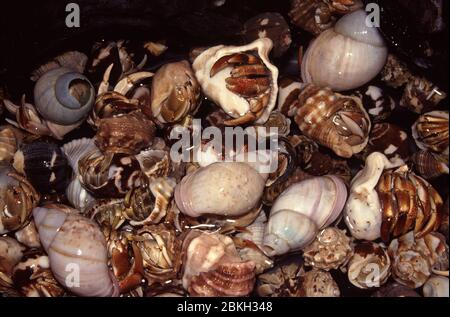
(63, 96)
(346, 56)
(77, 251)
(223, 188)
(301, 210)
(362, 212)
(214, 88)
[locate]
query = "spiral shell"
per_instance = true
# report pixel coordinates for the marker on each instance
(428, 164)
(346, 56)
(63, 96)
(109, 175)
(175, 92)
(28, 236)
(44, 165)
(11, 252)
(17, 199)
(317, 283)
(413, 259)
(223, 188)
(333, 120)
(370, 266)
(291, 225)
(242, 96)
(430, 132)
(212, 267)
(421, 95)
(128, 133)
(9, 141)
(330, 250)
(75, 244)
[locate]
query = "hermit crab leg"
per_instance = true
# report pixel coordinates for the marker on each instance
(128, 82)
(405, 195)
(388, 206)
(104, 85)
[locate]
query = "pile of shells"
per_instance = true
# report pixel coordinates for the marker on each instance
(93, 179)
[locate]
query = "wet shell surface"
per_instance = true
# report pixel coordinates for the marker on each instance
(436, 286)
(74, 242)
(230, 189)
(338, 122)
(9, 141)
(317, 283)
(430, 132)
(370, 266)
(330, 249)
(244, 99)
(212, 267)
(428, 164)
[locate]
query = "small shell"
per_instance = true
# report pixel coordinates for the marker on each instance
(421, 95)
(333, 120)
(63, 96)
(288, 92)
(175, 92)
(430, 132)
(28, 236)
(428, 165)
(44, 165)
(370, 266)
(33, 277)
(377, 102)
(17, 199)
(9, 141)
(155, 162)
(280, 122)
(395, 73)
(318, 283)
(11, 253)
(128, 133)
(212, 267)
(110, 175)
(242, 96)
(76, 149)
(230, 188)
(78, 196)
(73, 242)
(436, 286)
(73, 60)
(330, 250)
(413, 259)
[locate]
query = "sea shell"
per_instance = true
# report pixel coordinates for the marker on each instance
(271, 25)
(390, 203)
(330, 250)
(362, 212)
(128, 133)
(75, 244)
(11, 252)
(109, 175)
(390, 140)
(315, 16)
(175, 92)
(148, 203)
(436, 286)
(370, 266)
(223, 188)
(413, 259)
(156, 162)
(63, 96)
(333, 120)
(291, 225)
(428, 164)
(243, 98)
(28, 235)
(44, 165)
(17, 199)
(421, 95)
(73, 60)
(430, 132)
(377, 102)
(288, 91)
(212, 267)
(317, 283)
(284, 280)
(346, 56)
(33, 278)
(395, 290)
(395, 73)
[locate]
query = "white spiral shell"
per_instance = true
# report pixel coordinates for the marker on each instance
(77, 251)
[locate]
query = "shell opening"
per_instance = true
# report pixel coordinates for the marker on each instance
(80, 89)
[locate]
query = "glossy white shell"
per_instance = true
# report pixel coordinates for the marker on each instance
(215, 88)
(346, 56)
(77, 251)
(436, 286)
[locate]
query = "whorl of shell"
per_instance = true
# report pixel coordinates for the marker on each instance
(338, 122)
(330, 250)
(241, 96)
(212, 267)
(428, 164)
(10, 138)
(317, 283)
(413, 258)
(28, 235)
(370, 266)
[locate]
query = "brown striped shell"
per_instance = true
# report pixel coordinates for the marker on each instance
(428, 164)
(430, 132)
